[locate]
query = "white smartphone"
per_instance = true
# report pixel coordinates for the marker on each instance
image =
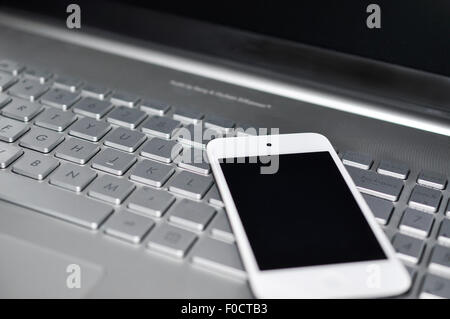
(302, 228)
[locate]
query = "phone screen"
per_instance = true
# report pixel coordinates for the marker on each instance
(301, 215)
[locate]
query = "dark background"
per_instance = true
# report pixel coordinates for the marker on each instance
(414, 33)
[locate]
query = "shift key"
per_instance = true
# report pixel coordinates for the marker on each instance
(376, 184)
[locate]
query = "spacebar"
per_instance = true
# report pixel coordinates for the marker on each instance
(52, 201)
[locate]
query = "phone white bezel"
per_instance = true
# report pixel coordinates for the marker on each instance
(345, 280)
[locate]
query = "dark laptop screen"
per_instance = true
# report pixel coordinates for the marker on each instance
(413, 33)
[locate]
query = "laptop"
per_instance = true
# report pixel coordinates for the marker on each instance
(99, 196)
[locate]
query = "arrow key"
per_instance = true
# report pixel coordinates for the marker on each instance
(416, 223)
(435, 287)
(440, 260)
(408, 248)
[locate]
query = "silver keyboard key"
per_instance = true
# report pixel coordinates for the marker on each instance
(432, 179)
(35, 166)
(171, 241)
(435, 287)
(196, 135)
(381, 208)
(359, 160)
(111, 189)
(221, 229)
(94, 91)
(214, 197)
(219, 256)
(38, 74)
(72, 177)
(67, 83)
(195, 160)
(150, 201)
(123, 98)
(8, 154)
(426, 199)
(60, 98)
(161, 150)
(53, 201)
(112, 161)
(89, 129)
(125, 139)
(187, 115)
(4, 99)
(154, 107)
(190, 185)
(77, 151)
(444, 232)
(6, 81)
(28, 89)
(151, 173)
(416, 223)
(55, 119)
(128, 226)
(41, 140)
(376, 184)
(11, 67)
(125, 116)
(11, 130)
(160, 126)
(91, 107)
(21, 110)
(440, 260)
(218, 123)
(394, 169)
(408, 248)
(191, 215)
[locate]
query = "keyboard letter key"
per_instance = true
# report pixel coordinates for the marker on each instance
(111, 189)
(35, 166)
(11, 130)
(191, 185)
(8, 154)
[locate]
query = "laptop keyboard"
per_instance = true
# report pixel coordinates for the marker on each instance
(111, 161)
(413, 209)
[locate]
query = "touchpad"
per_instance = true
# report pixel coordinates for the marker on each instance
(30, 271)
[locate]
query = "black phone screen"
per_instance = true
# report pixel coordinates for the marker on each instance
(301, 215)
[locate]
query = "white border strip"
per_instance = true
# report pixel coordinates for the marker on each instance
(228, 75)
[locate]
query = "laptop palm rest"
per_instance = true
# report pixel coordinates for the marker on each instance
(31, 271)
